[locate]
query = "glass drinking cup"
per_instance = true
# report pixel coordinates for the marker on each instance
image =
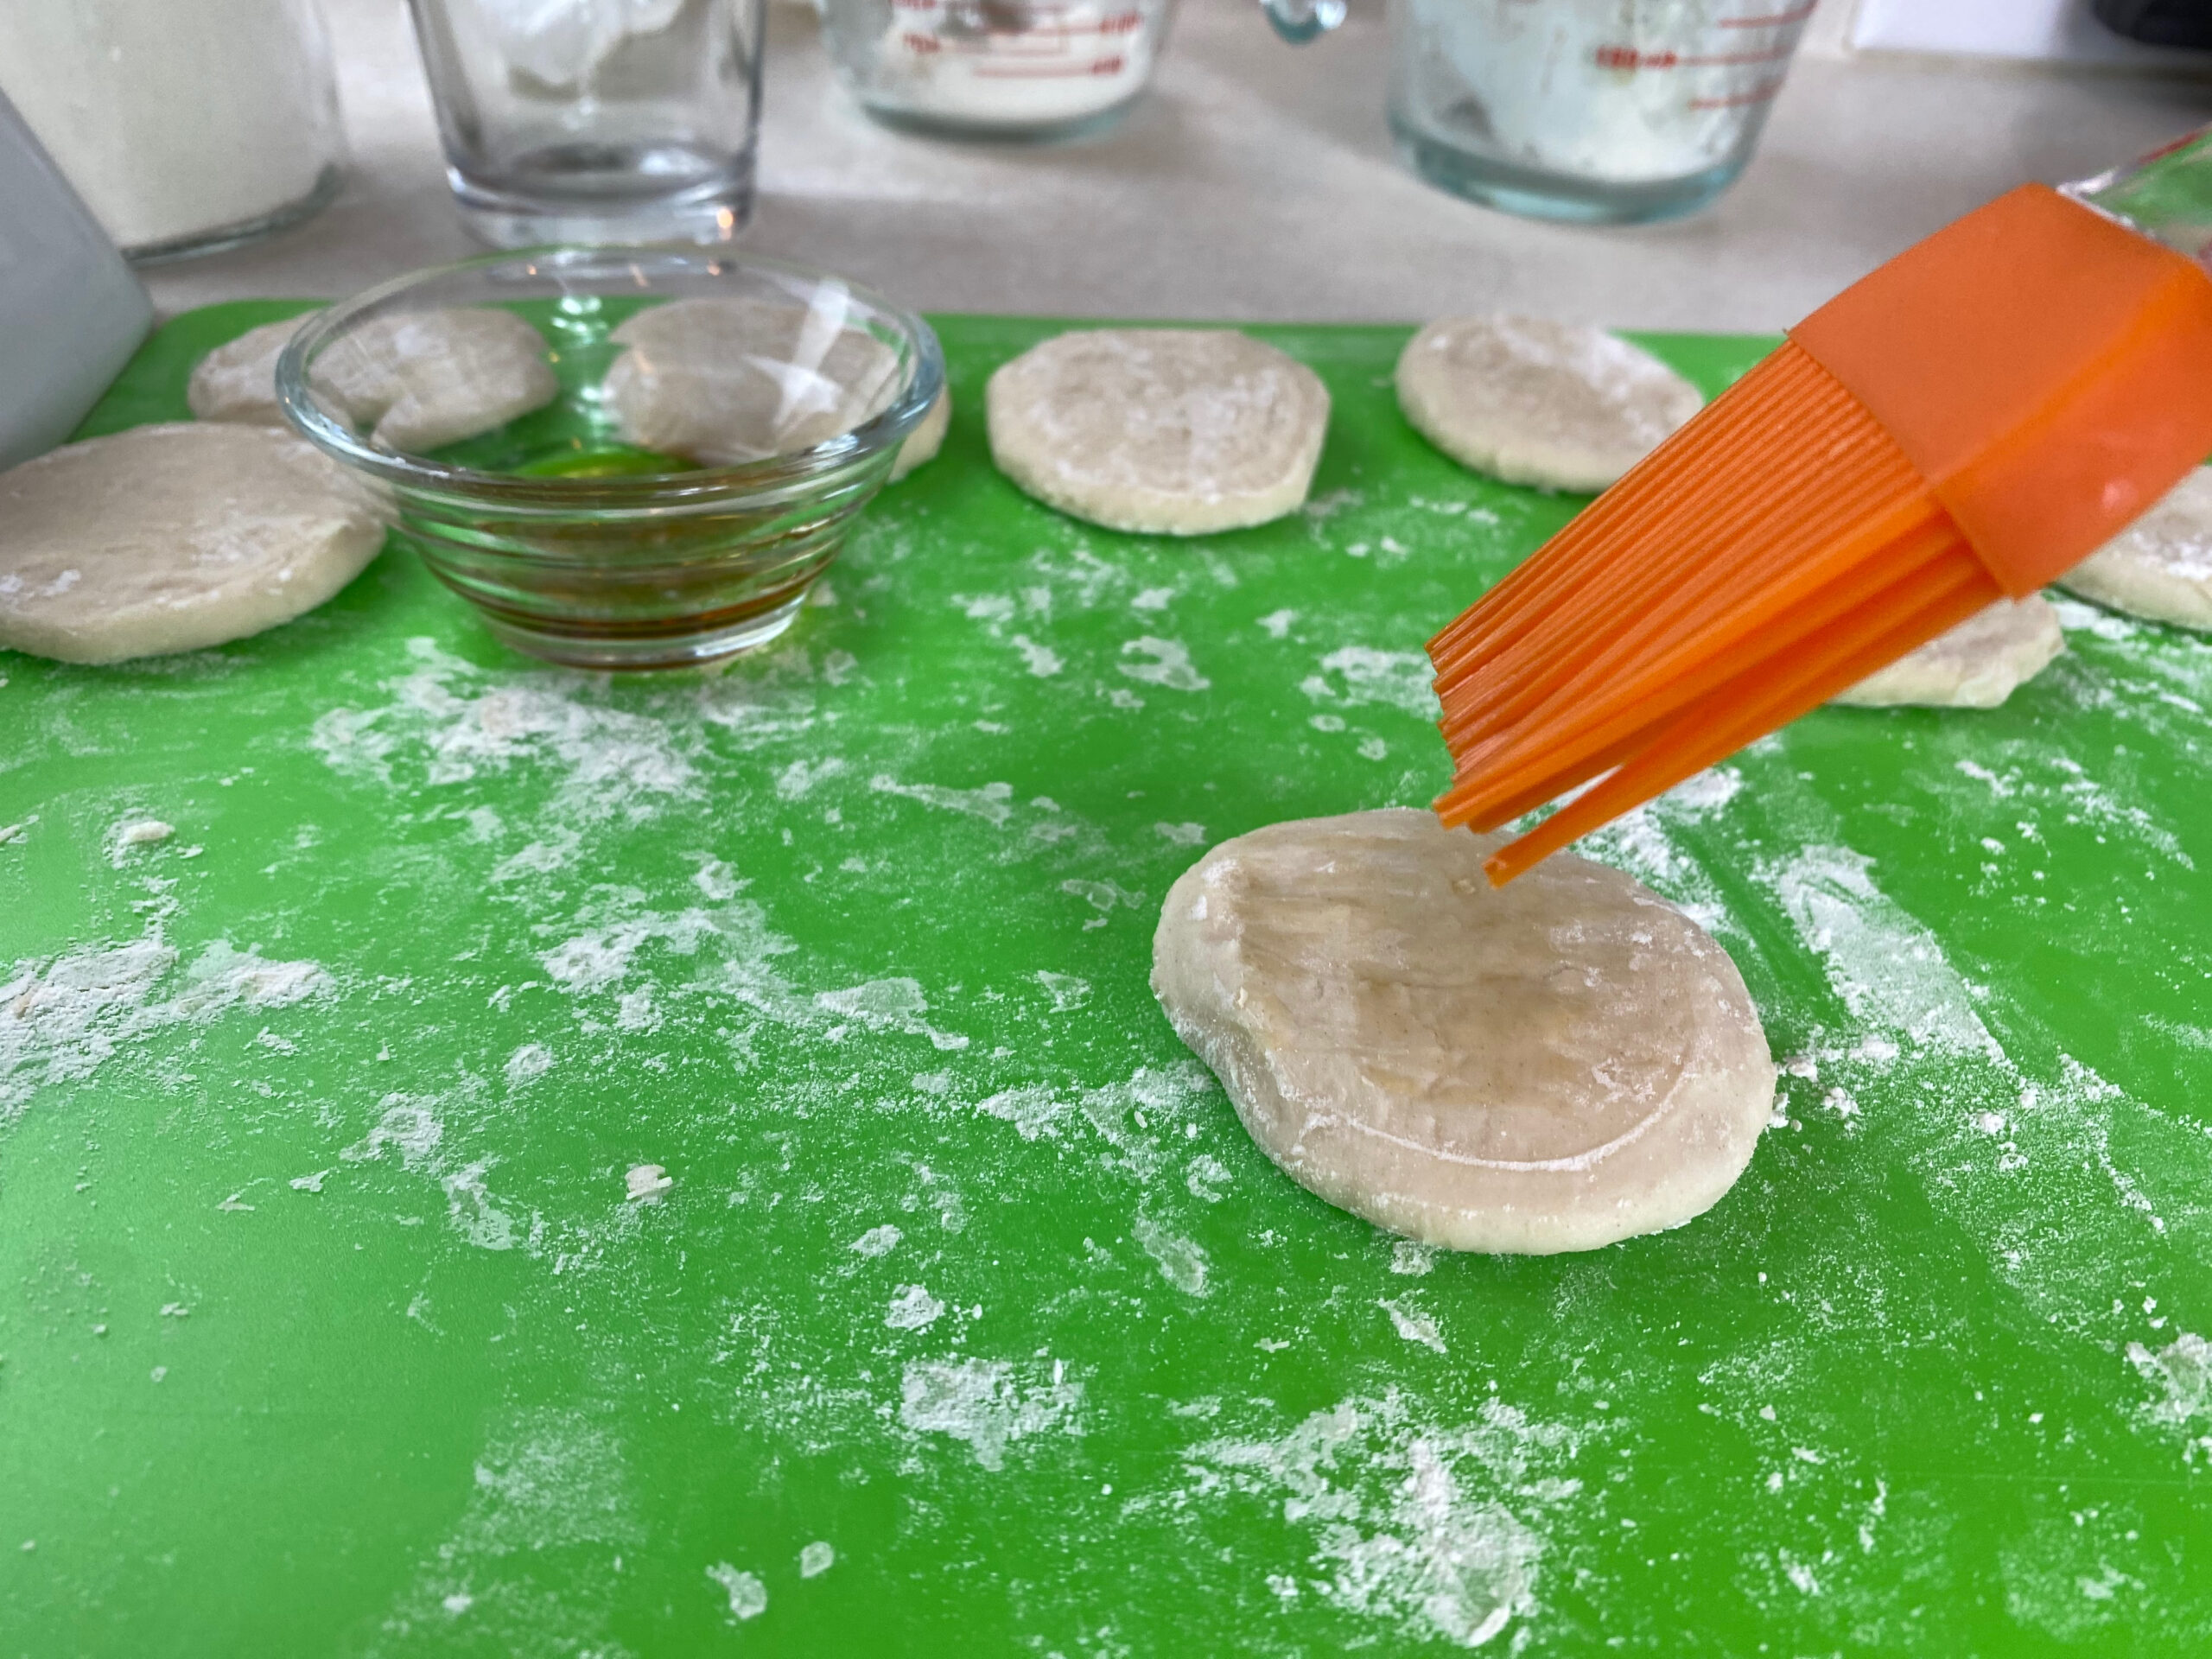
(597, 121)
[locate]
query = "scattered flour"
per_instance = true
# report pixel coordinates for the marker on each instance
(1418, 1520)
(1412, 1324)
(913, 1309)
(878, 1240)
(1040, 660)
(992, 803)
(2182, 1372)
(132, 833)
(982, 1402)
(62, 1018)
(1068, 993)
(1411, 1257)
(1181, 1262)
(527, 1065)
(733, 946)
(551, 1479)
(1360, 674)
(749, 1597)
(410, 1127)
(890, 1005)
(645, 1183)
(447, 721)
(797, 781)
(470, 1211)
(1170, 666)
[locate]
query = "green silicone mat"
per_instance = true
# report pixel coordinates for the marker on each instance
(970, 1322)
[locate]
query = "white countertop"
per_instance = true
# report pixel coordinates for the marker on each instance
(1255, 182)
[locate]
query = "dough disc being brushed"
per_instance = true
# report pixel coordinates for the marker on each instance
(2160, 567)
(1975, 665)
(726, 381)
(1549, 403)
(1163, 431)
(170, 537)
(1551, 1065)
(416, 379)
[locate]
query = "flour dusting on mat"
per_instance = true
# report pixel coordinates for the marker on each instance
(447, 722)
(749, 1597)
(62, 1018)
(551, 1486)
(1429, 1528)
(987, 1404)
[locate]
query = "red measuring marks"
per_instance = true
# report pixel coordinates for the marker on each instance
(1636, 59)
(1058, 39)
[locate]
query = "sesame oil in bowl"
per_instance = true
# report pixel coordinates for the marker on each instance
(691, 474)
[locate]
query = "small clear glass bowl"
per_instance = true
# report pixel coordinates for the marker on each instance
(577, 544)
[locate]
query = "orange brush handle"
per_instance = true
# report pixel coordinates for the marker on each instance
(2048, 370)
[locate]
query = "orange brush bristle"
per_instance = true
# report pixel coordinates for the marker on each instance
(1966, 424)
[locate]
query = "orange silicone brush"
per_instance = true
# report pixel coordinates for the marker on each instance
(1967, 423)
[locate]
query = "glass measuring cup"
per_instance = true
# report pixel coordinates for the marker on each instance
(1600, 110)
(996, 68)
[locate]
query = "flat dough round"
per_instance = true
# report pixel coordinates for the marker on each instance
(1551, 1065)
(2160, 567)
(237, 381)
(1553, 405)
(1975, 665)
(422, 380)
(168, 538)
(1163, 431)
(726, 381)
(926, 438)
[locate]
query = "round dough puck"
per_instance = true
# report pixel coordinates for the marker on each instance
(422, 379)
(1162, 431)
(2160, 567)
(1975, 665)
(927, 437)
(237, 381)
(1551, 1065)
(1530, 400)
(724, 381)
(167, 538)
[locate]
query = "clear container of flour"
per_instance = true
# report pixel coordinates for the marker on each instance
(1601, 110)
(186, 128)
(1022, 69)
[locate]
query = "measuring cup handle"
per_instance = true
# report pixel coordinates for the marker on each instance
(1300, 21)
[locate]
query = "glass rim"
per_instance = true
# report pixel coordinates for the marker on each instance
(701, 487)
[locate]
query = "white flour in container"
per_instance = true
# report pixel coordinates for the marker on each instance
(1080, 61)
(169, 119)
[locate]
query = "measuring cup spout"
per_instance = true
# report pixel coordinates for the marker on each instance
(1300, 21)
